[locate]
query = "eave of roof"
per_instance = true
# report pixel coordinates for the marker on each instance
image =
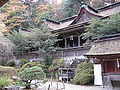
(102, 54)
(53, 21)
(68, 18)
(109, 6)
(106, 36)
(59, 21)
(89, 10)
(71, 27)
(105, 56)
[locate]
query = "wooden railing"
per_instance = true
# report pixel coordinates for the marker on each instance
(71, 52)
(65, 53)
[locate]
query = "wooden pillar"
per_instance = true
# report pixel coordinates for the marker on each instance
(103, 68)
(78, 40)
(62, 53)
(61, 74)
(65, 42)
(118, 64)
(67, 76)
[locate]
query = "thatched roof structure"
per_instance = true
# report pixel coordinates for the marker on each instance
(106, 46)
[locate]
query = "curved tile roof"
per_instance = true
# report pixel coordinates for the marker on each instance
(100, 13)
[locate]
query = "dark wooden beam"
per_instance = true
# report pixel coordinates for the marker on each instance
(105, 57)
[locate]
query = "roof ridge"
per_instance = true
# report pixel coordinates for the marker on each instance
(67, 18)
(58, 22)
(102, 8)
(90, 7)
(106, 36)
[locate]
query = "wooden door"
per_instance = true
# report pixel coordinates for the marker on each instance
(110, 66)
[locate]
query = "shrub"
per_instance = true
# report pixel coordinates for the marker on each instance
(100, 28)
(18, 69)
(5, 81)
(56, 64)
(11, 63)
(32, 73)
(31, 64)
(23, 61)
(84, 73)
(3, 62)
(7, 71)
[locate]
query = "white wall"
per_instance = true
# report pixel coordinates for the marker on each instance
(97, 74)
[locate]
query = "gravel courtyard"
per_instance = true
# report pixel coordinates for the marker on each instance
(74, 87)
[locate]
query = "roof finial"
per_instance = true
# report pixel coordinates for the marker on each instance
(83, 3)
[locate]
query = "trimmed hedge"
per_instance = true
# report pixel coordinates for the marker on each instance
(84, 73)
(7, 71)
(31, 64)
(31, 73)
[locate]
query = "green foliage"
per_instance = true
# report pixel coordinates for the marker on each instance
(84, 73)
(11, 63)
(12, 14)
(56, 64)
(43, 40)
(25, 14)
(40, 39)
(30, 64)
(34, 14)
(5, 81)
(23, 61)
(3, 62)
(18, 83)
(47, 62)
(7, 71)
(32, 73)
(72, 7)
(21, 42)
(99, 27)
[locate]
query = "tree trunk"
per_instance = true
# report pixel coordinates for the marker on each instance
(28, 85)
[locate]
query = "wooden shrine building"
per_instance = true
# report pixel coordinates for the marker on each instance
(70, 30)
(71, 44)
(105, 53)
